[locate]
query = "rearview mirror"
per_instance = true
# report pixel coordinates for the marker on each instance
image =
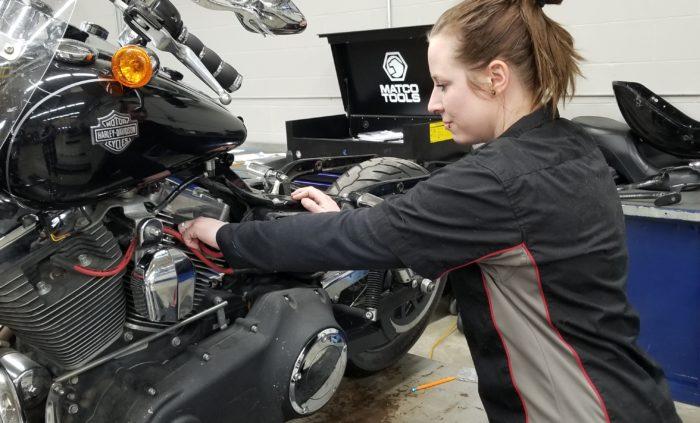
(278, 17)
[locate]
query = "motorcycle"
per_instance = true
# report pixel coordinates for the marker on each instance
(106, 315)
(656, 156)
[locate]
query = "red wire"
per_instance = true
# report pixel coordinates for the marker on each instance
(177, 235)
(113, 271)
(209, 252)
(132, 248)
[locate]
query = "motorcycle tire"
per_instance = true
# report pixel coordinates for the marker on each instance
(366, 173)
(375, 170)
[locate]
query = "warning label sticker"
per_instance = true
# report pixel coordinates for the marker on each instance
(438, 132)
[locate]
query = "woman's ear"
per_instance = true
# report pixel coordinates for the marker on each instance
(498, 76)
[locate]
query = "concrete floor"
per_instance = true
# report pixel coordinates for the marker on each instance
(387, 397)
(454, 351)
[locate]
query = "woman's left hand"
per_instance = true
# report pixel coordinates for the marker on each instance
(315, 200)
(200, 229)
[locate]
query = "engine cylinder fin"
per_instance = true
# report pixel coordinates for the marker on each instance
(73, 317)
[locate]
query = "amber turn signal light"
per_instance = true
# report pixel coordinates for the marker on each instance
(132, 67)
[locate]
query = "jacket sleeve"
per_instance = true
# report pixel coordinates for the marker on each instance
(308, 242)
(460, 214)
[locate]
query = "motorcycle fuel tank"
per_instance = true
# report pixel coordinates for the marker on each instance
(84, 137)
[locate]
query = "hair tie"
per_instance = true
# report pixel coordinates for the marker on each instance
(541, 3)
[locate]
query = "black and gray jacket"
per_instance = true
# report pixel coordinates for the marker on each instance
(532, 233)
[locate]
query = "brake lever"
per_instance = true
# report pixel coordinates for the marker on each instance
(146, 25)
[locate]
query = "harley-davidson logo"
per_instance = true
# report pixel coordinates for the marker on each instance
(114, 132)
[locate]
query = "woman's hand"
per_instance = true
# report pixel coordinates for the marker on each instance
(315, 200)
(200, 229)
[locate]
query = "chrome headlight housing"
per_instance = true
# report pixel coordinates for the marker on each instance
(10, 407)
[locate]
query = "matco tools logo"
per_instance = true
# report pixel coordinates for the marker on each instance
(396, 68)
(114, 132)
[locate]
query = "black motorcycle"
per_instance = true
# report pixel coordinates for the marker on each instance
(106, 315)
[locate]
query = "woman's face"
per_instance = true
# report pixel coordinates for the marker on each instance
(468, 114)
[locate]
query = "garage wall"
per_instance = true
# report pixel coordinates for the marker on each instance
(292, 77)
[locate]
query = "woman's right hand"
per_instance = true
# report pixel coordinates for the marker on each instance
(314, 200)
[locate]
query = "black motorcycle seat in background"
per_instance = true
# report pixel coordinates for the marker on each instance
(658, 122)
(618, 144)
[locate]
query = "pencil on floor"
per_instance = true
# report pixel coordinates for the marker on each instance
(433, 384)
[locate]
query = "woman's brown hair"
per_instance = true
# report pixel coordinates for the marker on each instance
(521, 34)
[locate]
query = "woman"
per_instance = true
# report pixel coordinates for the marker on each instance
(529, 226)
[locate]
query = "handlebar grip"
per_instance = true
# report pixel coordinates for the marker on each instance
(228, 77)
(225, 74)
(191, 41)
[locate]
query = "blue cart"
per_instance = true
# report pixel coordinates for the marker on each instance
(664, 287)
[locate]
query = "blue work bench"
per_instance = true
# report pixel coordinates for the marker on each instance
(664, 287)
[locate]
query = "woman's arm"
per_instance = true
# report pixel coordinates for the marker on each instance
(460, 214)
(309, 242)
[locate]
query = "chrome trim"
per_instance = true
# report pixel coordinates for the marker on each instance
(52, 413)
(75, 52)
(218, 71)
(406, 276)
(278, 17)
(163, 285)
(337, 281)
(11, 410)
(95, 30)
(328, 341)
(129, 36)
(31, 380)
(15, 235)
(427, 286)
(155, 60)
(150, 232)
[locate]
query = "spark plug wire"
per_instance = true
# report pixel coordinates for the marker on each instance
(129, 254)
(177, 235)
(114, 270)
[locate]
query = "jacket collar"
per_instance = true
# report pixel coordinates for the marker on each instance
(535, 119)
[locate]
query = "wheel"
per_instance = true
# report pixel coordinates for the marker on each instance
(402, 318)
(403, 312)
(373, 171)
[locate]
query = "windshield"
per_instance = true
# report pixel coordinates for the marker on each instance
(30, 31)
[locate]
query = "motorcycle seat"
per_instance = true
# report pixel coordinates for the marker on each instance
(656, 121)
(617, 143)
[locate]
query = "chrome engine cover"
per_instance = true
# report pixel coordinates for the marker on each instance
(162, 285)
(318, 371)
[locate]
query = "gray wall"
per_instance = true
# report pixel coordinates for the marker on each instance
(650, 41)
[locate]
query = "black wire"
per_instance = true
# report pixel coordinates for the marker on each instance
(169, 199)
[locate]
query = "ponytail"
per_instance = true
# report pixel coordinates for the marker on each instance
(556, 60)
(521, 34)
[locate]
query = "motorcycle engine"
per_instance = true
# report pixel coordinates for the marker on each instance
(90, 294)
(65, 318)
